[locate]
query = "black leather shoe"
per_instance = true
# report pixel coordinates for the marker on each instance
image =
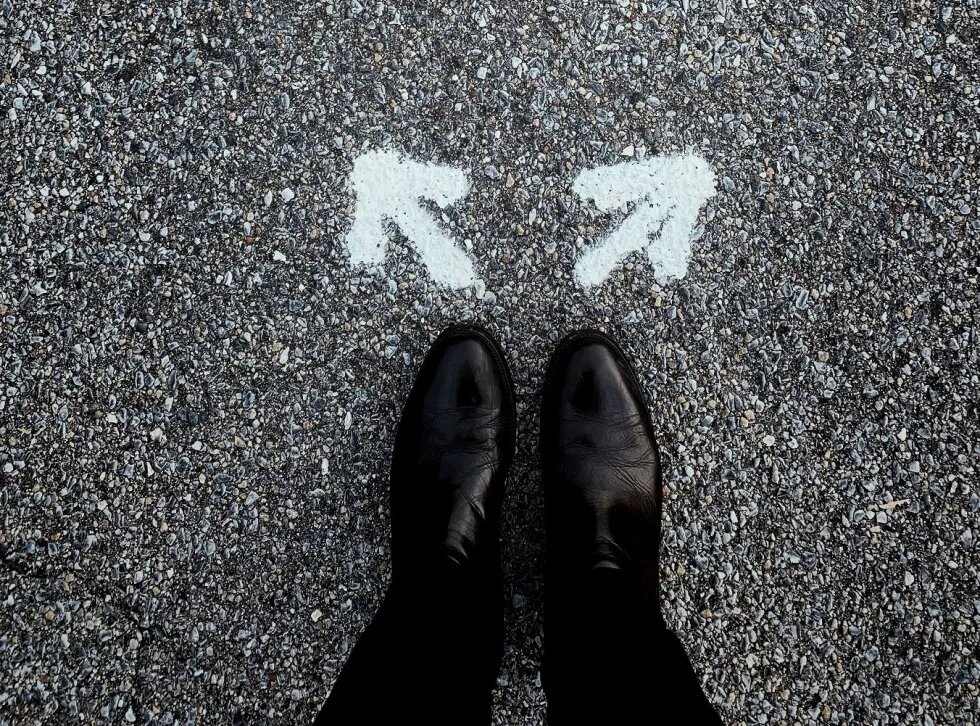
(432, 652)
(454, 447)
(608, 657)
(601, 469)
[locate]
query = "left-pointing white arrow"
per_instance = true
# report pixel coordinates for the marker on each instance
(391, 187)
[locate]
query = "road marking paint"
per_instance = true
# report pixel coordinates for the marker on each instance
(668, 191)
(391, 187)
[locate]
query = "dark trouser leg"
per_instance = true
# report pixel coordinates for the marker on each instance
(430, 656)
(609, 659)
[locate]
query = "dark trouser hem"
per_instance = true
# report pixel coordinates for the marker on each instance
(430, 656)
(432, 652)
(609, 659)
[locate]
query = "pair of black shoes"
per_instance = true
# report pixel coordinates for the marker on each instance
(601, 476)
(456, 443)
(433, 650)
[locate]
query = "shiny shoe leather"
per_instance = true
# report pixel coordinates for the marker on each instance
(432, 652)
(454, 447)
(601, 466)
(602, 488)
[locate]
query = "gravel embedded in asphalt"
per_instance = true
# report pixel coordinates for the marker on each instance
(198, 394)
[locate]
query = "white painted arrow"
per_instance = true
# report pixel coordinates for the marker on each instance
(391, 187)
(668, 192)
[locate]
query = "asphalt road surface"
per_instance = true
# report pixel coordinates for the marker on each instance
(201, 380)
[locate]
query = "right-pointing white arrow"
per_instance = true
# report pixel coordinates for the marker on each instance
(668, 192)
(391, 187)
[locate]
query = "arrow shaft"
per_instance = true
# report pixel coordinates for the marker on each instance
(596, 263)
(448, 264)
(670, 253)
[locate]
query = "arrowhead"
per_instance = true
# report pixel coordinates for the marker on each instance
(667, 191)
(391, 187)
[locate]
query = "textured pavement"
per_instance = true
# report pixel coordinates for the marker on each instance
(198, 394)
